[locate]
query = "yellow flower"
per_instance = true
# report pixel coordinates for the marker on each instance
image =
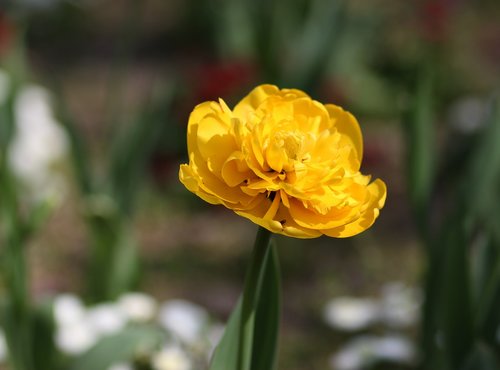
(284, 161)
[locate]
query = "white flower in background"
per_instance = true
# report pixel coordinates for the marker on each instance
(106, 318)
(184, 319)
(78, 329)
(468, 114)
(351, 314)
(3, 347)
(400, 305)
(365, 350)
(395, 348)
(39, 143)
(76, 338)
(138, 307)
(351, 357)
(121, 366)
(171, 358)
(68, 309)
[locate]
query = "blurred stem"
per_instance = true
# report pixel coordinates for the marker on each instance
(263, 23)
(250, 296)
(109, 268)
(79, 155)
(17, 319)
(455, 300)
(420, 139)
(121, 62)
(492, 290)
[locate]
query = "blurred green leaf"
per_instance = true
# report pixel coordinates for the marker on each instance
(44, 350)
(420, 142)
(120, 347)
(481, 182)
(314, 44)
(482, 358)
(488, 304)
(455, 302)
(38, 215)
(480, 194)
(131, 151)
(421, 146)
(124, 268)
(233, 31)
(483, 261)
(79, 153)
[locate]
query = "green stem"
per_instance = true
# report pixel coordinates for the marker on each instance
(249, 303)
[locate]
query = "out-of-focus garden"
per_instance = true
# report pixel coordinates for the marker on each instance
(108, 262)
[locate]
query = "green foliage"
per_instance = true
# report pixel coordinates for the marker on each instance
(293, 42)
(109, 201)
(482, 358)
(462, 294)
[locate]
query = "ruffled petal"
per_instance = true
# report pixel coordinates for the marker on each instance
(252, 101)
(347, 125)
(378, 194)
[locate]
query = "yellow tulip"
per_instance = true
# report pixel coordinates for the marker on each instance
(287, 162)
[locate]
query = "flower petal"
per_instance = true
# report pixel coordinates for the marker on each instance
(378, 194)
(252, 101)
(348, 127)
(235, 170)
(191, 182)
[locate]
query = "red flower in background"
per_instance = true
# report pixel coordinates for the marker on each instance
(214, 80)
(436, 16)
(6, 32)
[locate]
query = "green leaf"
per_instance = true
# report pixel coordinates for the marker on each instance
(263, 342)
(226, 354)
(120, 347)
(267, 318)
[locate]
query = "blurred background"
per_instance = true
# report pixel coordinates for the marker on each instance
(95, 100)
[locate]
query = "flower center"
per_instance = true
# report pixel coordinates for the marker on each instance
(291, 142)
(284, 149)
